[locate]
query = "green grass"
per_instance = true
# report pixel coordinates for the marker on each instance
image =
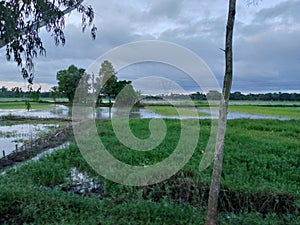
(281, 110)
(261, 159)
(266, 103)
(293, 112)
(57, 99)
(21, 105)
(2, 99)
(172, 111)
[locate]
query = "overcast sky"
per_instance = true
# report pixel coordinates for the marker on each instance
(266, 41)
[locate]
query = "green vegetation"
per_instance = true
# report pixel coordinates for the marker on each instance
(260, 181)
(69, 79)
(265, 103)
(172, 111)
(56, 100)
(21, 105)
(293, 112)
(4, 99)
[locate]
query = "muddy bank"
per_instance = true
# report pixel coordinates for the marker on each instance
(183, 189)
(32, 118)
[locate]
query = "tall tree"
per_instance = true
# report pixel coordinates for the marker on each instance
(106, 83)
(20, 23)
(68, 81)
(219, 148)
(128, 95)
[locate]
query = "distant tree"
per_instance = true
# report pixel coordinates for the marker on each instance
(17, 92)
(3, 91)
(198, 96)
(106, 82)
(68, 81)
(35, 95)
(83, 88)
(21, 22)
(128, 96)
(214, 95)
(237, 96)
(120, 85)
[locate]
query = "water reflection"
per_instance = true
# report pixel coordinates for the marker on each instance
(16, 134)
(110, 112)
(58, 111)
(242, 115)
(61, 111)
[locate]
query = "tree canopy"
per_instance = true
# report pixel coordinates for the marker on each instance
(106, 82)
(20, 22)
(68, 81)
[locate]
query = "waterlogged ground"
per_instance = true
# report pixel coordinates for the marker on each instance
(16, 134)
(12, 135)
(260, 181)
(59, 111)
(237, 110)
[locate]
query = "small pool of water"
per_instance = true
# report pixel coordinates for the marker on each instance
(241, 115)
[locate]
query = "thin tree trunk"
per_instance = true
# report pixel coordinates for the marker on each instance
(219, 148)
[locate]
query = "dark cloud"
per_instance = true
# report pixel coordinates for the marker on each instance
(287, 12)
(267, 50)
(266, 40)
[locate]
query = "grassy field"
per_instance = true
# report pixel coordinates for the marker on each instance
(292, 112)
(172, 111)
(2, 99)
(260, 181)
(267, 110)
(21, 105)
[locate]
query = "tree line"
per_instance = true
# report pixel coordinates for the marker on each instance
(116, 86)
(215, 95)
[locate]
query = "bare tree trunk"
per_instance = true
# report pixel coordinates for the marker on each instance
(219, 148)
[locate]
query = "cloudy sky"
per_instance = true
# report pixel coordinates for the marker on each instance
(266, 41)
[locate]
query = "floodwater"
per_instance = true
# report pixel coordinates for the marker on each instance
(16, 134)
(240, 115)
(13, 135)
(61, 111)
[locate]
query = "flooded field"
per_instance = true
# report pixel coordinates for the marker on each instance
(13, 135)
(18, 133)
(62, 111)
(59, 111)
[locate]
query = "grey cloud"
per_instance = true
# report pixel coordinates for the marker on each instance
(265, 49)
(268, 61)
(168, 8)
(287, 11)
